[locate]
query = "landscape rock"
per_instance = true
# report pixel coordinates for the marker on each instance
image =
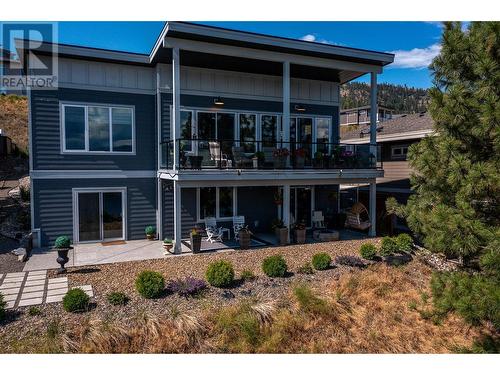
(227, 294)
(15, 193)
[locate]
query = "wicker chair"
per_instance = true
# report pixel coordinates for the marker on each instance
(354, 217)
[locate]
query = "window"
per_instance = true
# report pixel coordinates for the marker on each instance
(186, 130)
(322, 134)
(218, 202)
(98, 129)
(269, 130)
(399, 152)
(248, 132)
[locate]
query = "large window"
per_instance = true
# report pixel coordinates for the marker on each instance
(322, 134)
(248, 132)
(218, 202)
(95, 128)
(186, 130)
(269, 130)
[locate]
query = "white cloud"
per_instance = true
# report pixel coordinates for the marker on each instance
(309, 38)
(313, 38)
(417, 58)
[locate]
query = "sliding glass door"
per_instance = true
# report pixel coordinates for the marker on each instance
(100, 215)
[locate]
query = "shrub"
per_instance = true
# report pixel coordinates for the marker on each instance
(62, 242)
(321, 261)
(247, 275)
(76, 300)
(388, 246)
(404, 242)
(3, 304)
(368, 251)
(305, 269)
(150, 284)
(274, 266)
(34, 311)
(220, 274)
(349, 260)
(186, 287)
(150, 230)
(117, 298)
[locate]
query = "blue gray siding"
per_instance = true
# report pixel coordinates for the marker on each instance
(188, 210)
(46, 137)
(256, 203)
(53, 209)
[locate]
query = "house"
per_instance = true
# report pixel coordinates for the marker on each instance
(361, 115)
(393, 139)
(9, 63)
(213, 122)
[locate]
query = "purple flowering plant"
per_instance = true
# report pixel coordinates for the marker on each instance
(187, 287)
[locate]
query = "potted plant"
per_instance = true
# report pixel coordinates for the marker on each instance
(300, 158)
(261, 158)
(300, 233)
(318, 161)
(150, 232)
(281, 231)
(280, 156)
(168, 244)
(62, 245)
(244, 235)
(195, 237)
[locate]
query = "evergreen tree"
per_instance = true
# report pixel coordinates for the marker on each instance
(456, 205)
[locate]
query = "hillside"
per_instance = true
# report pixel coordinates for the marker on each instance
(14, 119)
(402, 99)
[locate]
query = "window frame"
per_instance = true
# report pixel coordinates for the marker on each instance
(85, 106)
(217, 204)
(402, 156)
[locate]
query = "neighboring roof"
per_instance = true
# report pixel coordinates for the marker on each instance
(411, 126)
(363, 107)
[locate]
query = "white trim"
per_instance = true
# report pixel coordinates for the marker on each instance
(106, 88)
(100, 190)
(417, 134)
(85, 106)
(402, 155)
(199, 220)
(30, 156)
(67, 174)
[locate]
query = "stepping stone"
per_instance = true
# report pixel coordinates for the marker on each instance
(87, 289)
(11, 304)
(57, 286)
(57, 292)
(8, 292)
(52, 299)
(9, 298)
(33, 273)
(32, 295)
(35, 288)
(34, 282)
(30, 302)
(10, 285)
(58, 280)
(13, 279)
(15, 274)
(36, 277)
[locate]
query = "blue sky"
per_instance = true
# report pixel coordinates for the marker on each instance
(415, 43)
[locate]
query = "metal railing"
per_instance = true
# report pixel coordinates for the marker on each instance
(200, 154)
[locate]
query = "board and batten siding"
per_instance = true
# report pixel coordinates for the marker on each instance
(53, 209)
(46, 131)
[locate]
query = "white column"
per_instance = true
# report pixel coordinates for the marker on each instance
(159, 208)
(373, 115)
(286, 104)
(373, 209)
(176, 94)
(177, 217)
(286, 208)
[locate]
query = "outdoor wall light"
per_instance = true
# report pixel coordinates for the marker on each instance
(218, 101)
(299, 108)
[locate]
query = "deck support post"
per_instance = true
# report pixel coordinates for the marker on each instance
(176, 102)
(177, 218)
(286, 209)
(373, 116)
(373, 209)
(285, 125)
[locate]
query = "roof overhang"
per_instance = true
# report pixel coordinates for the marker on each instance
(417, 134)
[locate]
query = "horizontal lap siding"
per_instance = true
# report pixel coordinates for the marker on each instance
(47, 138)
(53, 210)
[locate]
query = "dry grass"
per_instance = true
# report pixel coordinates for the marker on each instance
(14, 119)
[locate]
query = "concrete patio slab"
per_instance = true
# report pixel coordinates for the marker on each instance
(34, 282)
(13, 279)
(30, 295)
(6, 292)
(53, 299)
(10, 297)
(58, 280)
(10, 285)
(33, 273)
(15, 274)
(30, 302)
(36, 288)
(57, 292)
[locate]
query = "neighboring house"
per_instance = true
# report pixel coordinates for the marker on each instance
(393, 139)
(199, 127)
(361, 115)
(9, 62)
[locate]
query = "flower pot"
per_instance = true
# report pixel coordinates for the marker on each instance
(168, 247)
(151, 237)
(282, 235)
(300, 235)
(62, 258)
(244, 240)
(195, 242)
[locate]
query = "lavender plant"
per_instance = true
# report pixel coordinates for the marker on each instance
(187, 287)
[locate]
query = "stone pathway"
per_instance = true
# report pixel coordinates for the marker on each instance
(34, 288)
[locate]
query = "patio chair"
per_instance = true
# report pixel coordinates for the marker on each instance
(240, 159)
(354, 217)
(221, 160)
(318, 220)
(214, 233)
(238, 224)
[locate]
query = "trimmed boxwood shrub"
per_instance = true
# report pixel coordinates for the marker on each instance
(150, 284)
(388, 246)
(117, 298)
(368, 251)
(321, 261)
(62, 242)
(404, 242)
(76, 300)
(274, 266)
(150, 230)
(3, 304)
(220, 274)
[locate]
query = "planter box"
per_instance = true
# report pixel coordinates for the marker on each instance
(282, 235)
(195, 242)
(244, 240)
(300, 235)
